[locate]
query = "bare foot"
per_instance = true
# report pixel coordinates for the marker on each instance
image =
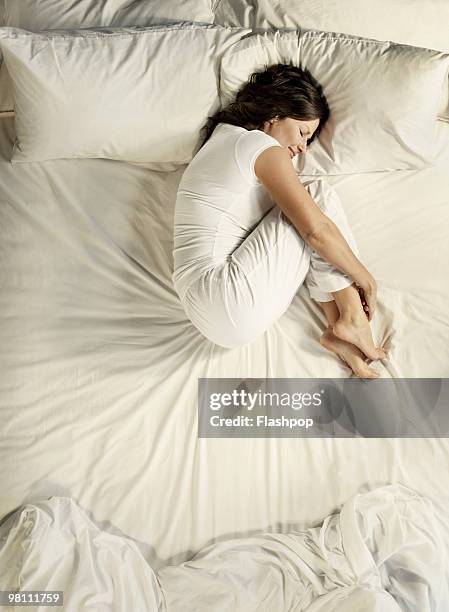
(348, 353)
(357, 331)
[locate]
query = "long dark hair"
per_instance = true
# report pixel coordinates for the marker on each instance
(279, 90)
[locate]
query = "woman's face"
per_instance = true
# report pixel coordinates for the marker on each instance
(293, 134)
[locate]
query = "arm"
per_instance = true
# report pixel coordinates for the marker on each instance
(274, 169)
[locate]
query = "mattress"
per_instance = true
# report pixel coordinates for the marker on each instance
(99, 364)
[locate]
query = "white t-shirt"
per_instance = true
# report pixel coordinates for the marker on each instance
(219, 201)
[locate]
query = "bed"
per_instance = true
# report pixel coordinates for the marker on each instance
(100, 365)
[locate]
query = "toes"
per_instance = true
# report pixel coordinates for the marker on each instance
(379, 353)
(374, 355)
(368, 373)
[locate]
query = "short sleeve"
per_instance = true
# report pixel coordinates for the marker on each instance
(248, 147)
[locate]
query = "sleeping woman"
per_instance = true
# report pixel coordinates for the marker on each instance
(248, 233)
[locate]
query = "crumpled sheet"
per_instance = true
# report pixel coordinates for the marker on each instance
(383, 552)
(53, 545)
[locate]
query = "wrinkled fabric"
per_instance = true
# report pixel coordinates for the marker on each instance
(235, 302)
(99, 361)
(373, 125)
(383, 552)
(66, 85)
(36, 15)
(52, 545)
(340, 16)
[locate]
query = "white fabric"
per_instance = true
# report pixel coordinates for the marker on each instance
(422, 23)
(52, 545)
(219, 200)
(36, 15)
(383, 97)
(358, 600)
(137, 107)
(238, 261)
(412, 22)
(99, 364)
(381, 553)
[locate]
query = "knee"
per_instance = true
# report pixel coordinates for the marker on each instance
(225, 312)
(226, 331)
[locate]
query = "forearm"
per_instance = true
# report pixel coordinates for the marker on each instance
(330, 244)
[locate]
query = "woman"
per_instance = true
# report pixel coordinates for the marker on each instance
(248, 233)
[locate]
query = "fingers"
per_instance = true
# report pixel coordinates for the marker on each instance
(363, 300)
(372, 307)
(368, 303)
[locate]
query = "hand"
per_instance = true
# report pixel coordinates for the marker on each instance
(363, 300)
(367, 288)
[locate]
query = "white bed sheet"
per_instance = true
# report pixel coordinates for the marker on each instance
(355, 561)
(99, 365)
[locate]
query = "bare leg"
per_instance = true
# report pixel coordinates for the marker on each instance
(347, 352)
(352, 325)
(331, 311)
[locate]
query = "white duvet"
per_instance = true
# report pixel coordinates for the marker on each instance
(383, 552)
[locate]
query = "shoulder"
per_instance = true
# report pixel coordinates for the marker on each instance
(249, 146)
(273, 168)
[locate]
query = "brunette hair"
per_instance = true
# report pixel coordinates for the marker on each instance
(279, 90)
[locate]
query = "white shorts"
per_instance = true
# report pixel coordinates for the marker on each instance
(237, 300)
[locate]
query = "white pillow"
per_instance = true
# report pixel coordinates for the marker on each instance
(135, 94)
(383, 96)
(48, 14)
(36, 15)
(402, 21)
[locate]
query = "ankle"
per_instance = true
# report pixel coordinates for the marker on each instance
(351, 317)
